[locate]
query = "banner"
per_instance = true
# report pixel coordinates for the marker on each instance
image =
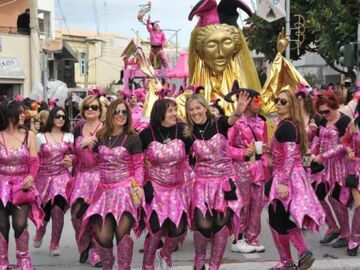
(271, 10)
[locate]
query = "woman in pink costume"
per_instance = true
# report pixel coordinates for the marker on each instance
(157, 42)
(136, 113)
(55, 147)
(251, 171)
(328, 150)
(87, 176)
(216, 200)
(167, 200)
(112, 209)
(291, 193)
(18, 167)
(351, 141)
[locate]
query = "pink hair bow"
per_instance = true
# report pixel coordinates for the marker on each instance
(303, 89)
(97, 92)
(18, 98)
(52, 102)
(126, 93)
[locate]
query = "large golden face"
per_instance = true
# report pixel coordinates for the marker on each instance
(218, 50)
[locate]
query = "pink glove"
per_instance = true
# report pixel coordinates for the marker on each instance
(34, 165)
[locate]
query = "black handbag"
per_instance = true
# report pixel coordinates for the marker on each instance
(231, 195)
(148, 192)
(352, 181)
(316, 167)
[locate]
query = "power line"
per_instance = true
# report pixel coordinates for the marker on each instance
(8, 3)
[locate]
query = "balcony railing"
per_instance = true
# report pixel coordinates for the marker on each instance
(14, 30)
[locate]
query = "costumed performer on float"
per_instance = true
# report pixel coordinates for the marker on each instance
(158, 43)
(251, 167)
(218, 53)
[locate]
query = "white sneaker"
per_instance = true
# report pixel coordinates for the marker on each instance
(162, 263)
(242, 247)
(55, 252)
(259, 248)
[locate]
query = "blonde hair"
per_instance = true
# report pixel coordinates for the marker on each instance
(189, 129)
(297, 118)
(108, 126)
(87, 101)
(43, 116)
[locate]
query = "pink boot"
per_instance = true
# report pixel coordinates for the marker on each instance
(106, 256)
(200, 243)
(124, 253)
(282, 244)
(4, 246)
(22, 251)
(85, 241)
(218, 247)
(169, 246)
(306, 257)
(342, 215)
(355, 233)
(150, 247)
(37, 241)
(57, 228)
(333, 229)
(94, 259)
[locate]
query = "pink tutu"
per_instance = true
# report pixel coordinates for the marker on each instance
(86, 182)
(52, 186)
(169, 203)
(114, 199)
(36, 214)
(209, 196)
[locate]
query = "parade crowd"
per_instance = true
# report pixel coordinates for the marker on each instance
(208, 173)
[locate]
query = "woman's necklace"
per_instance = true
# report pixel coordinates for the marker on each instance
(56, 139)
(202, 131)
(111, 144)
(166, 139)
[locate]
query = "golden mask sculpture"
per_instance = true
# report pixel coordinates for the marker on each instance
(218, 53)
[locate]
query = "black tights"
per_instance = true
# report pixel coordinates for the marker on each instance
(19, 215)
(79, 208)
(59, 201)
(105, 230)
(279, 218)
(323, 189)
(211, 224)
(168, 226)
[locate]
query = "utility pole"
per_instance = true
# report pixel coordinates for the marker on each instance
(288, 31)
(34, 45)
(86, 78)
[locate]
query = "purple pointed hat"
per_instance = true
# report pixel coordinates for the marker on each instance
(211, 13)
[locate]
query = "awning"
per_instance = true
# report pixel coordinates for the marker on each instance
(10, 69)
(60, 48)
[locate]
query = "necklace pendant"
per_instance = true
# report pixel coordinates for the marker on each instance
(167, 140)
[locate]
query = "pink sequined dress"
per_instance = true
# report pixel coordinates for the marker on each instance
(302, 203)
(53, 177)
(118, 167)
(87, 177)
(168, 174)
(213, 169)
(14, 167)
(327, 144)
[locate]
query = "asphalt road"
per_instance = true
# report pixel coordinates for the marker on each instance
(326, 256)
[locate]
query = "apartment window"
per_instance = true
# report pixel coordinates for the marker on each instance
(82, 64)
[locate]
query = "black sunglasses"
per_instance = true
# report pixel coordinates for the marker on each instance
(282, 101)
(122, 112)
(324, 112)
(94, 107)
(60, 116)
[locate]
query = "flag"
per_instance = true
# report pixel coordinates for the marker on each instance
(271, 10)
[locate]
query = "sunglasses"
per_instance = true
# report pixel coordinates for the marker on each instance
(280, 101)
(122, 112)
(93, 107)
(324, 112)
(60, 116)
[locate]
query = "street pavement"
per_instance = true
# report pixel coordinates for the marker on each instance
(326, 256)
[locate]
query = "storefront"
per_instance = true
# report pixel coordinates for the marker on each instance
(11, 77)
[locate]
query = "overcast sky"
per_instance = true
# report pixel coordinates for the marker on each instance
(119, 16)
